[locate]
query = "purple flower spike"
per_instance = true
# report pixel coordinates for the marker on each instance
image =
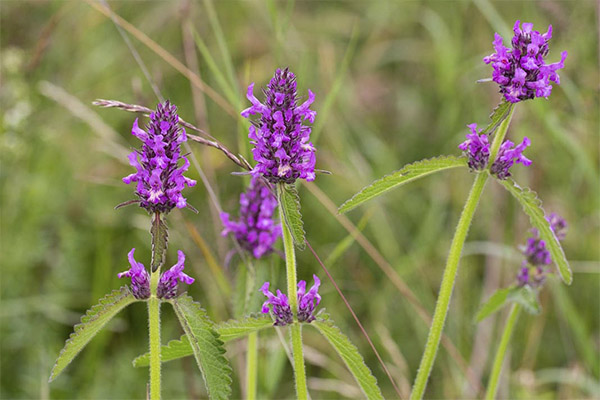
(534, 276)
(280, 305)
(521, 71)
(558, 225)
(507, 156)
(281, 142)
(536, 252)
(159, 179)
(476, 148)
(256, 229)
(140, 279)
(307, 301)
(167, 285)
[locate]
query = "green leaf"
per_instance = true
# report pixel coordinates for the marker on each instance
(499, 114)
(229, 330)
(206, 346)
(533, 208)
(493, 304)
(351, 356)
(407, 174)
(290, 203)
(91, 323)
(160, 235)
(527, 297)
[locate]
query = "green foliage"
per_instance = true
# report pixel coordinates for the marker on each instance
(160, 236)
(206, 346)
(407, 174)
(525, 296)
(230, 330)
(352, 358)
(532, 206)
(91, 323)
(499, 114)
(290, 203)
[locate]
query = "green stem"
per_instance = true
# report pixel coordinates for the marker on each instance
(501, 352)
(296, 331)
(251, 366)
(450, 272)
(154, 323)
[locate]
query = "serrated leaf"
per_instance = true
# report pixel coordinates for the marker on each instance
(352, 358)
(407, 174)
(91, 323)
(532, 206)
(290, 205)
(493, 304)
(229, 330)
(160, 236)
(206, 346)
(499, 114)
(527, 297)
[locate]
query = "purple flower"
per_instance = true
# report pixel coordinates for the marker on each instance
(167, 285)
(256, 230)
(507, 156)
(159, 179)
(476, 148)
(307, 301)
(521, 71)
(140, 279)
(537, 255)
(281, 142)
(280, 305)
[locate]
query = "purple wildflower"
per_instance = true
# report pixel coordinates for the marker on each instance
(256, 230)
(159, 179)
(167, 285)
(281, 142)
(537, 255)
(307, 301)
(476, 148)
(140, 279)
(280, 304)
(521, 71)
(507, 156)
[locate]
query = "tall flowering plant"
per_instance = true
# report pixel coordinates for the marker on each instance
(521, 73)
(159, 181)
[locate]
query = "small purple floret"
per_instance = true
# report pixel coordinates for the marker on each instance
(537, 255)
(256, 229)
(508, 155)
(476, 148)
(280, 305)
(281, 141)
(159, 178)
(521, 71)
(140, 279)
(307, 301)
(168, 283)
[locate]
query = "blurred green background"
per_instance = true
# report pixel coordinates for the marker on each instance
(395, 82)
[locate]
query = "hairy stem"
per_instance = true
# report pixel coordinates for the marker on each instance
(450, 272)
(251, 366)
(154, 323)
(296, 332)
(501, 352)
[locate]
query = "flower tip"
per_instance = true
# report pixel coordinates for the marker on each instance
(265, 288)
(317, 280)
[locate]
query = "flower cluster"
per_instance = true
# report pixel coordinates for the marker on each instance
(537, 255)
(521, 71)
(168, 283)
(307, 302)
(477, 150)
(159, 179)
(509, 154)
(281, 141)
(256, 230)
